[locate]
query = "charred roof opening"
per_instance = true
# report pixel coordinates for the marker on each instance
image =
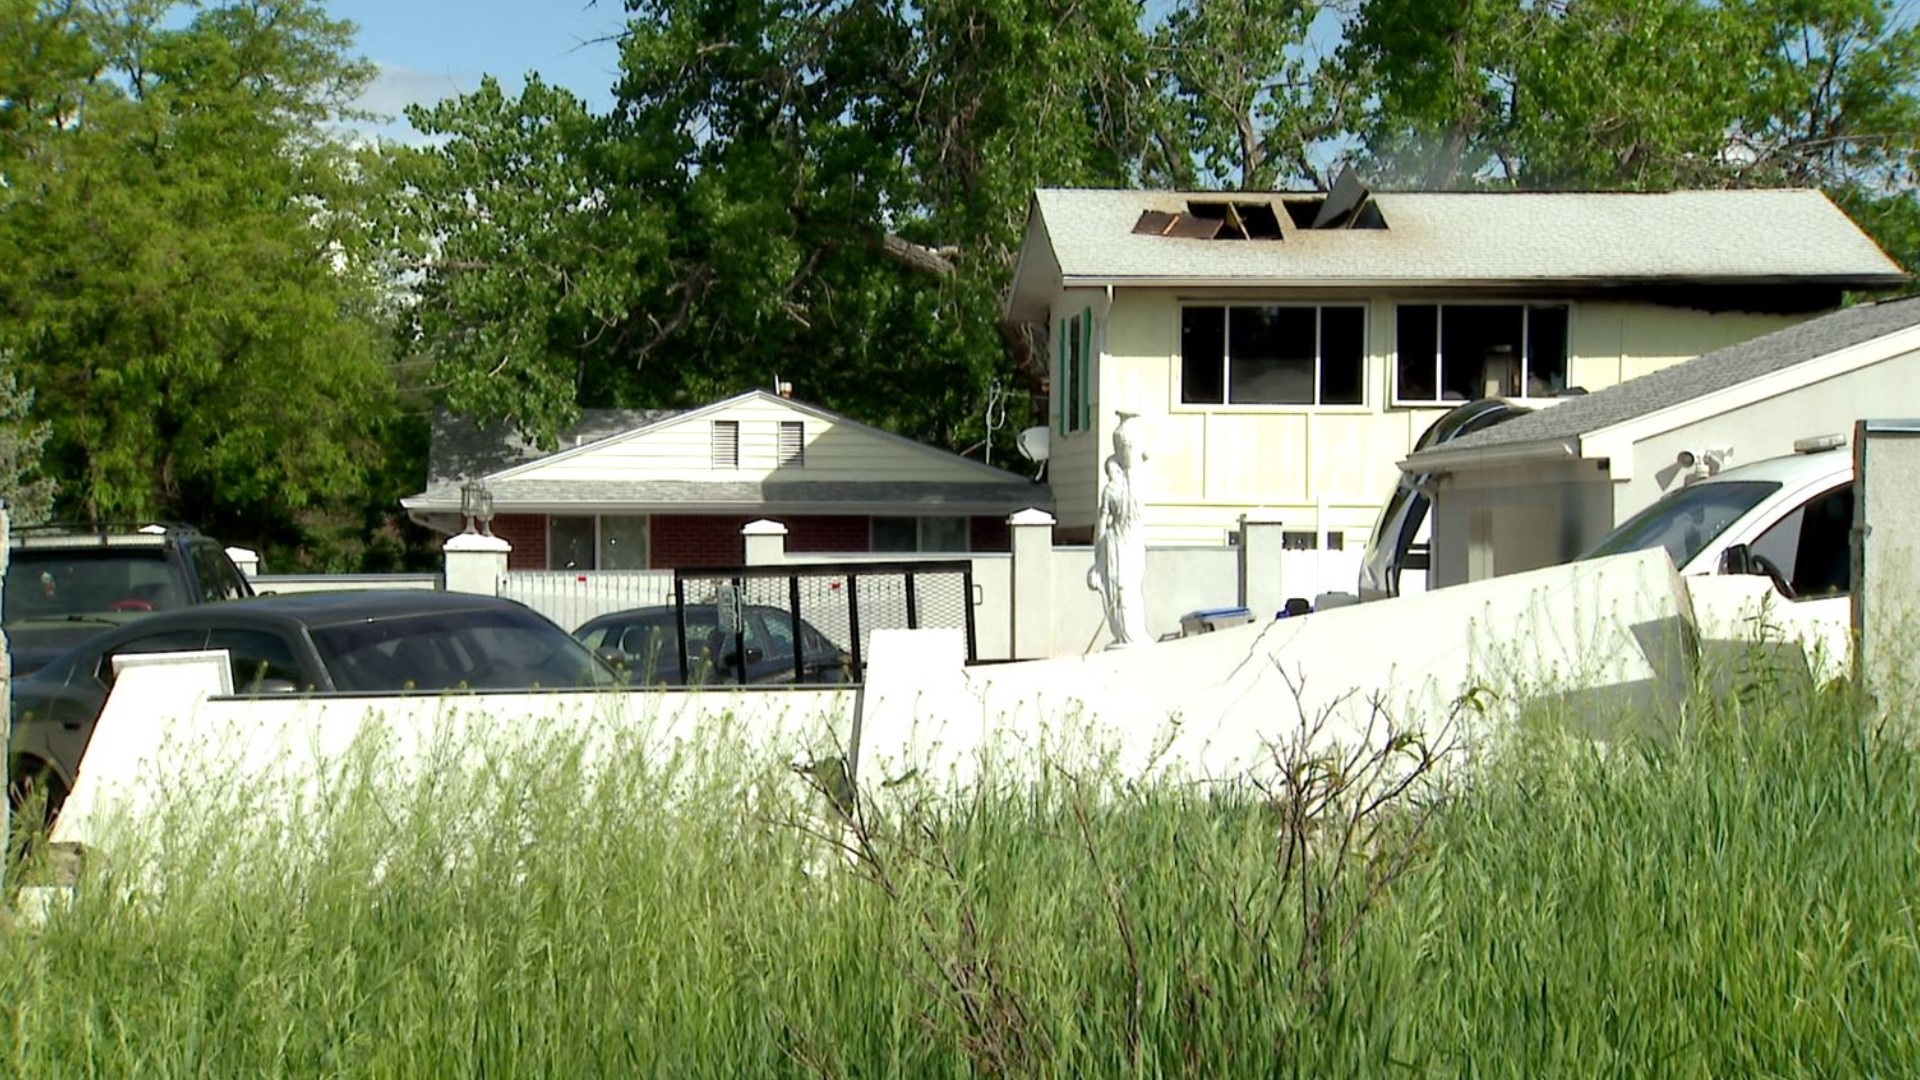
(1348, 206)
(1214, 219)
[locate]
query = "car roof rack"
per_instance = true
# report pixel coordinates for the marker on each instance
(106, 528)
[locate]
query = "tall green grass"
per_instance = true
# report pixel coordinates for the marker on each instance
(1727, 892)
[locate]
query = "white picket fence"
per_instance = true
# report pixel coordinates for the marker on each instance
(571, 597)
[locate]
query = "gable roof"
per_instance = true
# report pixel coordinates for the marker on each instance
(462, 448)
(1486, 238)
(1573, 418)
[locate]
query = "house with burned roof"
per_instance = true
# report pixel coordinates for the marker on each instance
(1286, 349)
(638, 489)
(1541, 489)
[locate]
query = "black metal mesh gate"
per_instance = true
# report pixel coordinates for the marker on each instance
(810, 623)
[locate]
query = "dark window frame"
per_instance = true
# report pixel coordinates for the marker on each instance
(1524, 365)
(1183, 369)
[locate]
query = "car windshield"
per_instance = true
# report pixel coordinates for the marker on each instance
(53, 584)
(1685, 521)
(480, 650)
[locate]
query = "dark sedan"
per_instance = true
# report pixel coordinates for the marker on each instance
(648, 640)
(376, 641)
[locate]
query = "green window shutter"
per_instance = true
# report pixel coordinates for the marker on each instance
(1086, 369)
(1060, 378)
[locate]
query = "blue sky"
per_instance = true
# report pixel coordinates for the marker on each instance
(430, 49)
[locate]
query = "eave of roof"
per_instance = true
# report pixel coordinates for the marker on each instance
(746, 497)
(1447, 459)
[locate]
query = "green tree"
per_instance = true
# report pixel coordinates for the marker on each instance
(28, 493)
(192, 295)
(1260, 102)
(831, 193)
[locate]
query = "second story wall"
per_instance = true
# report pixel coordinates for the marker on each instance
(1212, 462)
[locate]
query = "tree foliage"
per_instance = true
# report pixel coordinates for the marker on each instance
(189, 293)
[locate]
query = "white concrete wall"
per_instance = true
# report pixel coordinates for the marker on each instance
(1605, 635)
(166, 730)
(1887, 561)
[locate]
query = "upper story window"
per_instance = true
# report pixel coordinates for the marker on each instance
(1072, 388)
(793, 442)
(1273, 354)
(1460, 352)
(725, 442)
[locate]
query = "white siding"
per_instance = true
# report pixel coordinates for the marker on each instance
(1326, 467)
(682, 450)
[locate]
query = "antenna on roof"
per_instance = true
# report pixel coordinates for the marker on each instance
(996, 413)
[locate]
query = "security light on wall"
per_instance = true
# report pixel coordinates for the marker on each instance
(1704, 462)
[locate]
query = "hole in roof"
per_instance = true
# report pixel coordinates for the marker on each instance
(1216, 219)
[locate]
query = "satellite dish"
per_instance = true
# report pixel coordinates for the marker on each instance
(1035, 443)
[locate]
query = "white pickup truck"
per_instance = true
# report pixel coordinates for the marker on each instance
(1788, 520)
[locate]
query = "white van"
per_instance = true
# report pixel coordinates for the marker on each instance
(1790, 518)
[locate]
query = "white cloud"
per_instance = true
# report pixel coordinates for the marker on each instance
(394, 87)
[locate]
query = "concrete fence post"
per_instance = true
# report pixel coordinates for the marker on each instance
(1261, 542)
(246, 560)
(1886, 558)
(475, 563)
(766, 542)
(1032, 630)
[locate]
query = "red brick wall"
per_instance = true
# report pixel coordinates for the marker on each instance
(528, 535)
(989, 534)
(828, 534)
(714, 540)
(678, 540)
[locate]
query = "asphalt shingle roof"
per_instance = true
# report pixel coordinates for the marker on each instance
(462, 448)
(1700, 376)
(1485, 236)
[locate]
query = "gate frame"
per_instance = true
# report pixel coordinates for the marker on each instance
(851, 571)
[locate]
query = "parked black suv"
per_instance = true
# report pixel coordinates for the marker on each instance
(65, 584)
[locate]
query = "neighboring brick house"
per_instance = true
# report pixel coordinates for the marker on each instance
(633, 489)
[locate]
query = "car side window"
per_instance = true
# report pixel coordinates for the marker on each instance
(779, 634)
(1813, 545)
(217, 580)
(164, 641)
(259, 657)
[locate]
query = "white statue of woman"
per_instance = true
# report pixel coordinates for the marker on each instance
(1119, 541)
